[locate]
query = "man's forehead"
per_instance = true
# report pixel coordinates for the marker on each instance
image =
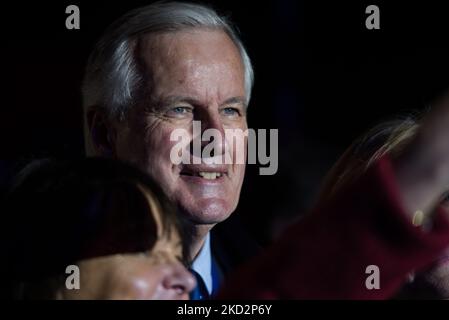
(201, 64)
(188, 44)
(186, 33)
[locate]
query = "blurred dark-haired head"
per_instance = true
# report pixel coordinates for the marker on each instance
(61, 213)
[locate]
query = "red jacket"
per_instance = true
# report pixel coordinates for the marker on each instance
(325, 255)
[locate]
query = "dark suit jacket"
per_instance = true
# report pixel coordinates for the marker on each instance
(232, 245)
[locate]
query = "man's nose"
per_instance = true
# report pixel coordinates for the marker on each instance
(213, 132)
(180, 280)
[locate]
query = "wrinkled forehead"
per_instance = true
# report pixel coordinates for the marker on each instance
(188, 43)
(189, 54)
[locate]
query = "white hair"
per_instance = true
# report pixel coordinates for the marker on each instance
(112, 76)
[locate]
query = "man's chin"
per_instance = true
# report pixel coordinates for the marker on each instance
(207, 211)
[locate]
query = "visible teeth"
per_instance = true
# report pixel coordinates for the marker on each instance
(209, 175)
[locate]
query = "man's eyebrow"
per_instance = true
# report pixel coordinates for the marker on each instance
(161, 103)
(236, 100)
(165, 102)
(176, 99)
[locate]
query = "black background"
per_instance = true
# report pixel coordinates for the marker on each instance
(322, 79)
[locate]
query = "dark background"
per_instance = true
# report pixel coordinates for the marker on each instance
(322, 79)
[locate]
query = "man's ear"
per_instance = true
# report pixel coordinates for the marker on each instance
(101, 132)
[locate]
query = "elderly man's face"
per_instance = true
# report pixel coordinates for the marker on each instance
(193, 75)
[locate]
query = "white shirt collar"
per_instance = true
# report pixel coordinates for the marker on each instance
(203, 264)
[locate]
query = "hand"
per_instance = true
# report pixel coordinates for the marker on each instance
(423, 170)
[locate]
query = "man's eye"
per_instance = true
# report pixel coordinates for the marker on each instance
(179, 111)
(230, 111)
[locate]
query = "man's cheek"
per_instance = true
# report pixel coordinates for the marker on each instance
(240, 172)
(156, 147)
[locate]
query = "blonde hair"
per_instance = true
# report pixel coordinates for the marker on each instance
(386, 138)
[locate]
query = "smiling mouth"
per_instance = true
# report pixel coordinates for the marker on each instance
(204, 172)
